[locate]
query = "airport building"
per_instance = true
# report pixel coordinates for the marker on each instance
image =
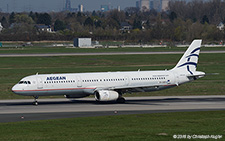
(158, 5)
(165, 4)
(118, 8)
(81, 8)
(143, 5)
(68, 7)
(82, 42)
(137, 4)
(105, 8)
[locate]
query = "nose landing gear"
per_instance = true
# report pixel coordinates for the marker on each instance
(35, 101)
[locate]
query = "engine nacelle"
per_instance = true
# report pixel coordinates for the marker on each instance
(106, 95)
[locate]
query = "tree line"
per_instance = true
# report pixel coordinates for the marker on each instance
(181, 22)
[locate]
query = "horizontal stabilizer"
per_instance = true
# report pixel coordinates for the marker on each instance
(196, 75)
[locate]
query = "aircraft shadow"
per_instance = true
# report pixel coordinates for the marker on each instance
(136, 101)
(173, 100)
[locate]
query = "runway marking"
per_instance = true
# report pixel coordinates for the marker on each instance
(94, 54)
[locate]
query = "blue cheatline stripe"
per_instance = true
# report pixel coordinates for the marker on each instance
(189, 59)
(195, 50)
(188, 63)
(188, 68)
(193, 55)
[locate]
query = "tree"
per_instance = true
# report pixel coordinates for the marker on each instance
(59, 25)
(172, 16)
(23, 18)
(98, 23)
(80, 17)
(44, 19)
(12, 18)
(137, 24)
(4, 22)
(88, 22)
(117, 16)
(94, 13)
(112, 23)
(131, 10)
(32, 15)
(205, 20)
(79, 14)
(178, 34)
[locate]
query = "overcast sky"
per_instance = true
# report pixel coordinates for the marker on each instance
(58, 5)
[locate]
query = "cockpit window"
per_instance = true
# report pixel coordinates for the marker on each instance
(24, 82)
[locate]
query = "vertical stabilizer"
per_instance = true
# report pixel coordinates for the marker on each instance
(189, 60)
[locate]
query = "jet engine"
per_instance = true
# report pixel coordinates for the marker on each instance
(106, 95)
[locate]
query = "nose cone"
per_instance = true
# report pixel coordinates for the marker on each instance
(16, 89)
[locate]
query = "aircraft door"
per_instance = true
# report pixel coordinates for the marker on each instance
(176, 78)
(39, 82)
(79, 81)
(127, 80)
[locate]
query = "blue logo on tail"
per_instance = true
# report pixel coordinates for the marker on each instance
(188, 63)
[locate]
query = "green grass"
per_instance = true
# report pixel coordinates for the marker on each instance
(159, 126)
(13, 69)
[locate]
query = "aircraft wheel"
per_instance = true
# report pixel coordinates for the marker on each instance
(121, 100)
(35, 103)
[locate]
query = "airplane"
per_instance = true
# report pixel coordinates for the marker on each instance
(110, 86)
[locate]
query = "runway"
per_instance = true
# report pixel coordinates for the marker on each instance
(23, 110)
(95, 54)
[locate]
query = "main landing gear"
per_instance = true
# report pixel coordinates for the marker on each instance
(121, 100)
(35, 101)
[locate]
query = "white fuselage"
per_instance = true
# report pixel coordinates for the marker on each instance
(86, 83)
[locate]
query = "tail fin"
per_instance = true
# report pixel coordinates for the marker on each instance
(189, 60)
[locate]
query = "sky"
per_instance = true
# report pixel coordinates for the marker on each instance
(58, 5)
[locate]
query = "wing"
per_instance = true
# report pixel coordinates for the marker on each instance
(136, 88)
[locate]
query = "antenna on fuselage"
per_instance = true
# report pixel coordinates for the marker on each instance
(37, 73)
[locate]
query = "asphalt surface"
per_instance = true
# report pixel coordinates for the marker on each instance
(23, 110)
(94, 54)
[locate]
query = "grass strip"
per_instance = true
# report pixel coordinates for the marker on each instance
(158, 126)
(38, 49)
